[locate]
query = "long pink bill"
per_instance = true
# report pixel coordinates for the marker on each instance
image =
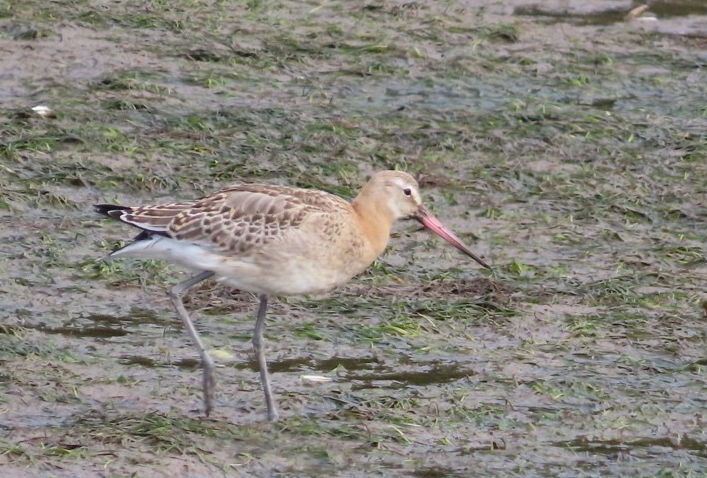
(434, 225)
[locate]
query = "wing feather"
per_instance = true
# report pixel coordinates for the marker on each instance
(236, 219)
(244, 217)
(152, 218)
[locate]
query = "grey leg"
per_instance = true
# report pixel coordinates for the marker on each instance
(260, 355)
(207, 363)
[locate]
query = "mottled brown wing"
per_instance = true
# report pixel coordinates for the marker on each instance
(242, 217)
(151, 218)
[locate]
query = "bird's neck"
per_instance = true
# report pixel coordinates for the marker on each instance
(375, 222)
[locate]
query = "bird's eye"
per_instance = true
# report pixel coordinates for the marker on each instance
(407, 191)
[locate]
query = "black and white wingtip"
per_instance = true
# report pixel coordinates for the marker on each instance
(111, 210)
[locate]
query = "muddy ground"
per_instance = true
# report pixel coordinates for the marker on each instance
(566, 144)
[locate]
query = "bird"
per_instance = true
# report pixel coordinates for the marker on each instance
(273, 240)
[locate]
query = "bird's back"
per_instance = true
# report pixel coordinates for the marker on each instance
(262, 238)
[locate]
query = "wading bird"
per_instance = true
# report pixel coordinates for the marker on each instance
(273, 240)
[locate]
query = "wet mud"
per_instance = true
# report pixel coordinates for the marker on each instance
(565, 141)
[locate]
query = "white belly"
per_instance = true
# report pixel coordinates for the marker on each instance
(274, 274)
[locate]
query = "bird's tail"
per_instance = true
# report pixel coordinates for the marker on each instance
(119, 213)
(111, 210)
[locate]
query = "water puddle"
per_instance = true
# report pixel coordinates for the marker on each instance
(185, 363)
(363, 372)
(614, 447)
(678, 8)
(616, 14)
(297, 364)
(423, 374)
(369, 372)
(97, 332)
(102, 325)
(135, 316)
(301, 364)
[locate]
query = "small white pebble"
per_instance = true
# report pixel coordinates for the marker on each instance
(42, 110)
(315, 378)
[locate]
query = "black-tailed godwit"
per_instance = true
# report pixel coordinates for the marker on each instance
(274, 240)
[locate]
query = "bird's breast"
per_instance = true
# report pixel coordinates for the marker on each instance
(322, 254)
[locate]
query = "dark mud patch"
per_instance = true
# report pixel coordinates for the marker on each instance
(474, 290)
(477, 287)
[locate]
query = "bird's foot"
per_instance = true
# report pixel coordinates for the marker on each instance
(273, 416)
(209, 385)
